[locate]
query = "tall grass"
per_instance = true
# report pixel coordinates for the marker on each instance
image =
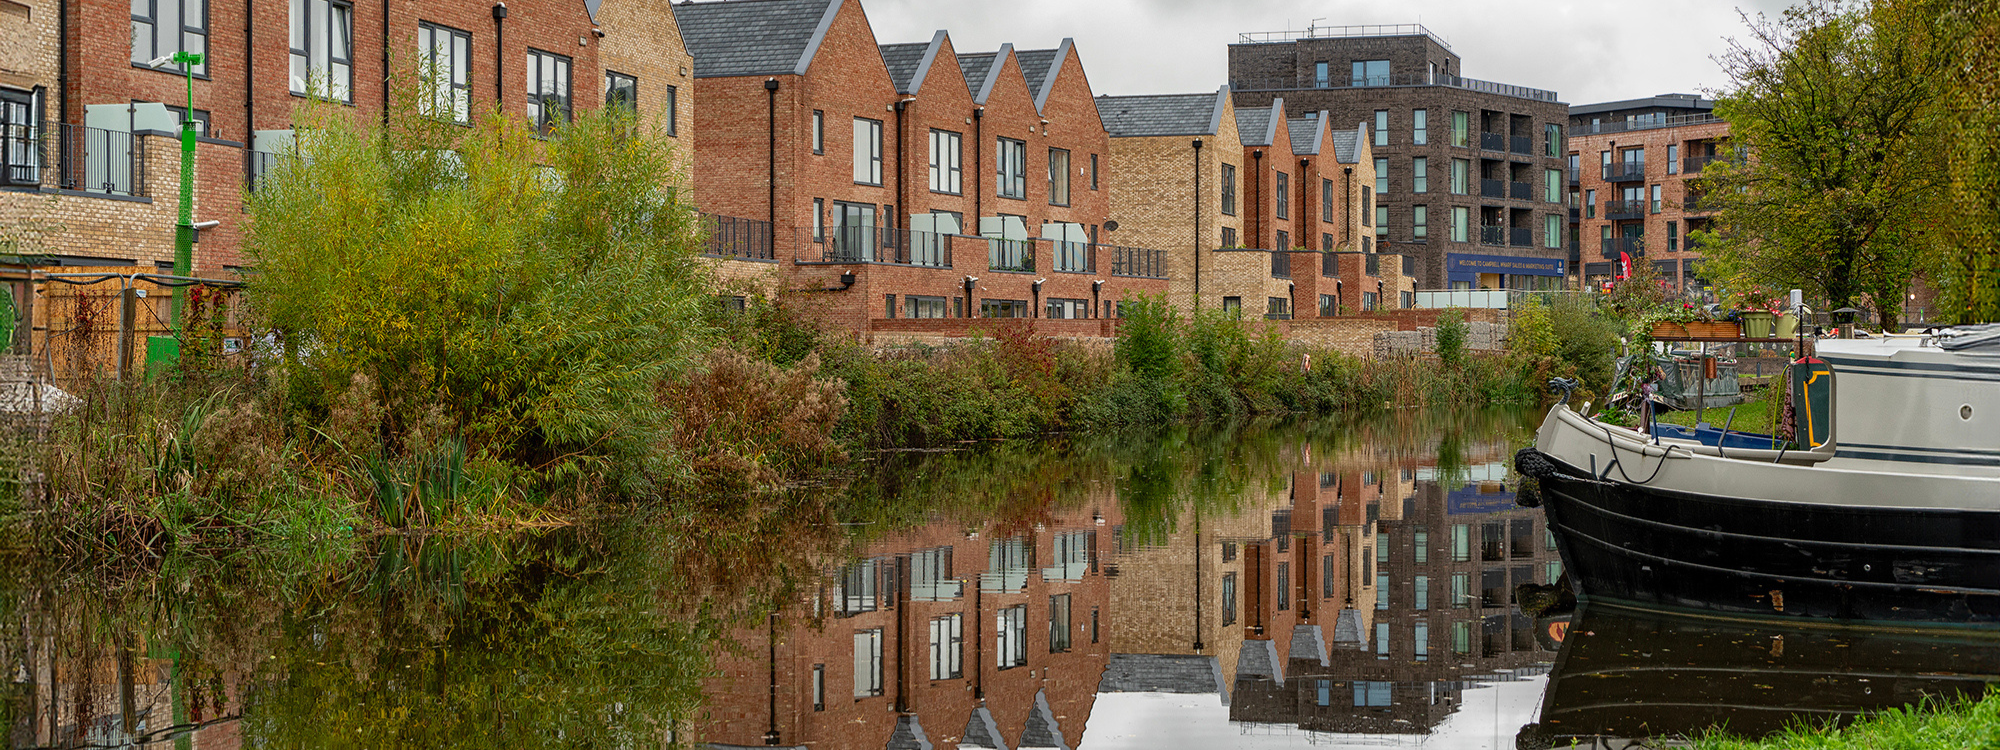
(1926, 725)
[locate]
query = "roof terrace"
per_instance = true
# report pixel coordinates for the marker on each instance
(1340, 32)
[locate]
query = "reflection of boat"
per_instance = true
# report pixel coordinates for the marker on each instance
(1631, 674)
(1891, 511)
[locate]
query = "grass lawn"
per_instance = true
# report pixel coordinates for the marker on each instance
(1963, 725)
(1753, 415)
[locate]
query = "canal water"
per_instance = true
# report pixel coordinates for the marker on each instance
(1354, 582)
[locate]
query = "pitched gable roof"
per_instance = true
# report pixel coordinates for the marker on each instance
(1168, 114)
(1041, 67)
(1259, 126)
(910, 64)
(1347, 145)
(1307, 133)
(754, 37)
(982, 70)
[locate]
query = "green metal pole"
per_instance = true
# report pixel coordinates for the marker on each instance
(184, 231)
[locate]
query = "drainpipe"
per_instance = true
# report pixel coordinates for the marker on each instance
(62, 72)
(1346, 221)
(978, 169)
(1036, 289)
(771, 154)
(385, 60)
(1257, 190)
(499, 54)
(901, 178)
(250, 72)
(1197, 223)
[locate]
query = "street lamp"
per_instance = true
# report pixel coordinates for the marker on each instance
(184, 229)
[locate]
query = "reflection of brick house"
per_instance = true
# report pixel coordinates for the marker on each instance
(985, 639)
(908, 180)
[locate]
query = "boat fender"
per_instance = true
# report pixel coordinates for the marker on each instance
(1532, 463)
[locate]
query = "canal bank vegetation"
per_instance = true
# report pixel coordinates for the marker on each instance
(1929, 724)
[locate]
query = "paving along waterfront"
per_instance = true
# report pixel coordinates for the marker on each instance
(1352, 582)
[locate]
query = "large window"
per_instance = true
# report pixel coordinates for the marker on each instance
(1058, 177)
(323, 49)
(621, 93)
(947, 173)
(1381, 127)
(1283, 193)
(1420, 219)
(1420, 175)
(1229, 189)
(1460, 216)
(867, 663)
(1673, 158)
(20, 138)
(1461, 125)
(925, 307)
(1461, 176)
(1552, 231)
(1420, 127)
(1059, 623)
(1382, 176)
(1552, 140)
(673, 111)
(1011, 631)
(444, 64)
(549, 102)
(1552, 185)
(1367, 205)
(947, 647)
(1461, 590)
(162, 27)
(1228, 598)
(1369, 73)
(1284, 586)
(1381, 221)
(1420, 593)
(1326, 200)
(867, 151)
(1011, 163)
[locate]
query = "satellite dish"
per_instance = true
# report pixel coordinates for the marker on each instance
(1111, 226)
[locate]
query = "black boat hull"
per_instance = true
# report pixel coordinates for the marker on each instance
(1661, 548)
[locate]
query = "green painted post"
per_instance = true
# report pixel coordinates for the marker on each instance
(184, 231)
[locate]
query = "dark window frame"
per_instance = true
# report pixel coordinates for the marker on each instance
(539, 99)
(460, 80)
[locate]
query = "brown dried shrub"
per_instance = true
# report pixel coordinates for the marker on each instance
(746, 422)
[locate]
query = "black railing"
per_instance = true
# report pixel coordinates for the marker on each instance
(1329, 265)
(1492, 234)
(1493, 141)
(1573, 178)
(1281, 264)
(866, 244)
(21, 147)
(1010, 255)
(1633, 246)
(1344, 79)
(1574, 215)
(1619, 210)
(1492, 188)
(1409, 265)
(1625, 171)
(74, 157)
(1521, 237)
(735, 237)
(1694, 164)
(1696, 204)
(1137, 261)
(256, 164)
(1521, 191)
(1664, 122)
(1521, 144)
(1374, 264)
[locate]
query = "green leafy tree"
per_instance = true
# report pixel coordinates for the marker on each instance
(1834, 160)
(535, 290)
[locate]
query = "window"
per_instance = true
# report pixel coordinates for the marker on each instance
(1059, 623)
(1326, 243)
(1328, 307)
(1604, 164)
(1553, 569)
(947, 153)
(1552, 185)
(162, 27)
(1655, 202)
(1011, 175)
(1228, 598)
(1420, 175)
(1232, 307)
(1322, 76)
(1422, 641)
(1229, 189)
(1327, 574)
(1381, 220)
(819, 219)
(1552, 231)
(854, 231)
(867, 663)
(200, 117)
(947, 647)
(923, 307)
(322, 49)
(20, 138)
(1066, 309)
(1420, 593)
(1382, 176)
(1420, 545)
(930, 575)
(673, 111)
(1284, 242)
(1012, 632)
(1673, 236)
(1420, 127)
(1673, 158)
(1368, 299)
(1460, 125)
(1229, 236)
(1460, 216)
(1058, 177)
(867, 151)
(1461, 637)
(1367, 210)
(1420, 219)
(1381, 127)
(1461, 590)
(1461, 176)
(1283, 194)
(819, 132)
(889, 306)
(1381, 581)
(1590, 203)
(1093, 171)
(1326, 202)
(548, 90)
(621, 92)
(1284, 586)
(1370, 73)
(444, 63)
(1552, 140)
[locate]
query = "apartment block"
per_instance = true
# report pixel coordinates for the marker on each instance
(1468, 172)
(1633, 187)
(909, 181)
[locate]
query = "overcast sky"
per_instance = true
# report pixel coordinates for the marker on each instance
(1588, 51)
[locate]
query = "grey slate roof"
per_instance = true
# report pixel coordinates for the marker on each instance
(753, 37)
(1309, 644)
(1160, 673)
(1253, 126)
(1167, 114)
(982, 731)
(1042, 731)
(1259, 659)
(908, 735)
(902, 61)
(1306, 133)
(976, 66)
(1035, 64)
(1344, 150)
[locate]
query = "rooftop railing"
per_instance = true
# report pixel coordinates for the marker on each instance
(1340, 32)
(1343, 80)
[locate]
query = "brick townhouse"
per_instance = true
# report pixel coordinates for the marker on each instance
(940, 636)
(93, 125)
(909, 181)
(1471, 169)
(1632, 168)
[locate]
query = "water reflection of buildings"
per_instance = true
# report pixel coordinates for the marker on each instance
(938, 637)
(1363, 596)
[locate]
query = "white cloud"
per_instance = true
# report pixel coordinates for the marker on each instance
(1587, 51)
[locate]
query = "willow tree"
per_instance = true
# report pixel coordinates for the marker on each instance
(527, 290)
(1834, 163)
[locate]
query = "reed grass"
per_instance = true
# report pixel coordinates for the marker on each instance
(1927, 726)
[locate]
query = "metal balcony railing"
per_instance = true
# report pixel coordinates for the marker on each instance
(1633, 246)
(1340, 32)
(1695, 204)
(1492, 234)
(1648, 124)
(1492, 188)
(1373, 264)
(73, 157)
(1521, 237)
(1409, 265)
(1521, 191)
(1621, 210)
(933, 250)
(1281, 264)
(1493, 141)
(735, 237)
(1625, 171)
(1694, 164)
(1521, 144)
(866, 244)
(1137, 261)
